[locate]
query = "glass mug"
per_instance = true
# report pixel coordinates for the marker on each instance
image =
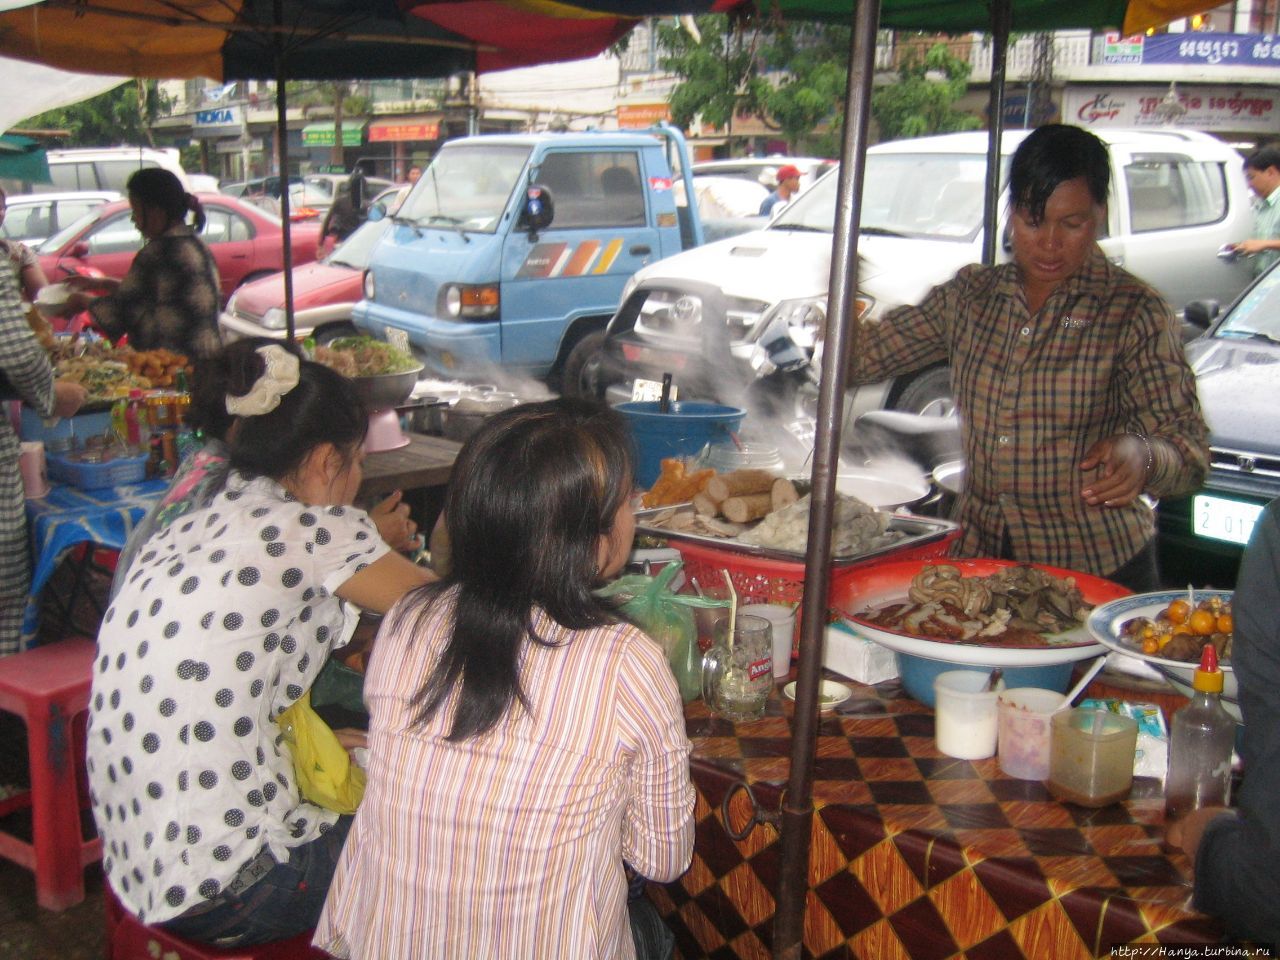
(736, 680)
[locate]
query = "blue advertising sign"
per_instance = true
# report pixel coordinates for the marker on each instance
(1213, 49)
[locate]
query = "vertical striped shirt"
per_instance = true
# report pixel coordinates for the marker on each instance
(510, 846)
(1101, 357)
(1266, 226)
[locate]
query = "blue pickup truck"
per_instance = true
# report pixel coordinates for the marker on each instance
(510, 254)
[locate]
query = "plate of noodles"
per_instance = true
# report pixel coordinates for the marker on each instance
(987, 612)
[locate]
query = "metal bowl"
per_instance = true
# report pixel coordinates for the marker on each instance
(386, 389)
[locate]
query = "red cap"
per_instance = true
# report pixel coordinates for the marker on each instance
(786, 172)
(1208, 678)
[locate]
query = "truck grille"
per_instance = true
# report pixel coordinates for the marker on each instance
(1243, 463)
(677, 315)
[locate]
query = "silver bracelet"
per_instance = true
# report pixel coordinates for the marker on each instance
(1150, 453)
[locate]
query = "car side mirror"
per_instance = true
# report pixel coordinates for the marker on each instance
(79, 250)
(1201, 313)
(538, 211)
(377, 211)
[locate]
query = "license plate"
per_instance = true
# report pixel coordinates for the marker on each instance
(649, 390)
(397, 338)
(1220, 519)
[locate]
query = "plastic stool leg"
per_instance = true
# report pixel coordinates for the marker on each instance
(55, 803)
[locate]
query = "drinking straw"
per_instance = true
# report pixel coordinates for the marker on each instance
(1098, 716)
(733, 603)
(1075, 691)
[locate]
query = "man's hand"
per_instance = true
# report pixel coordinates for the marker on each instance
(68, 397)
(1186, 833)
(1124, 459)
(391, 517)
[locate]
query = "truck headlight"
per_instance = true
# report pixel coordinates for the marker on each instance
(464, 301)
(274, 319)
(806, 320)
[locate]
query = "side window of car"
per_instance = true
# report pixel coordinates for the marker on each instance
(115, 235)
(115, 174)
(217, 229)
(69, 211)
(594, 189)
(1168, 192)
(72, 176)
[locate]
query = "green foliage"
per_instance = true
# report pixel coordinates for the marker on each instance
(792, 75)
(121, 116)
(920, 102)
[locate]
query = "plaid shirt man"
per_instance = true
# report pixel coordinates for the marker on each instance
(1101, 357)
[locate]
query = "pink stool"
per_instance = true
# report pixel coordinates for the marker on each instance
(48, 687)
(127, 939)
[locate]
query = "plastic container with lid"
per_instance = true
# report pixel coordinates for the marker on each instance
(1201, 738)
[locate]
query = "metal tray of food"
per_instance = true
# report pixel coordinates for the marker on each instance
(907, 531)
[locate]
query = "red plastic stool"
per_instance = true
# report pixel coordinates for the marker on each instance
(127, 939)
(48, 687)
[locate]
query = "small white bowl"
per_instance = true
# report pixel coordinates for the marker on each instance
(830, 694)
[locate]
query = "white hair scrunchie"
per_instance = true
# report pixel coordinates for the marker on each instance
(264, 396)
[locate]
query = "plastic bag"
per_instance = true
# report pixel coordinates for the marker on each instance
(326, 776)
(667, 617)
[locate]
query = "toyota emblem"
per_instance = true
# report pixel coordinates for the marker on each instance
(1246, 464)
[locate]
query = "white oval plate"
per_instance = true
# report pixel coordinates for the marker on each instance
(830, 694)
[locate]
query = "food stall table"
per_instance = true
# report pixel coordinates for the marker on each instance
(426, 461)
(915, 854)
(68, 516)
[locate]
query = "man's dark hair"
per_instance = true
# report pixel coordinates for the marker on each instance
(1051, 155)
(1264, 157)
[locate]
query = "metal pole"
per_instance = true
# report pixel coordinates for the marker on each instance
(840, 343)
(282, 125)
(1001, 20)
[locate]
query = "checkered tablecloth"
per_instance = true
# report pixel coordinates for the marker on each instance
(916, 855)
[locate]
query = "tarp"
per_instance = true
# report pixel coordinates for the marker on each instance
(32, 88)
(22, 158)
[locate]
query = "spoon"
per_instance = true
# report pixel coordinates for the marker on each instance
(994, 679)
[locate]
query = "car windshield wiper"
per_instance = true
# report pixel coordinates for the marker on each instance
(802, 227)
(1249, 335)
(442, 218)
(880, 232)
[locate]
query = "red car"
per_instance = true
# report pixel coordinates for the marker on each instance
(323, 293)
(246, 242)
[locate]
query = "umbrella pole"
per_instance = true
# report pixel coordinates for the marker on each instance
(282, 139)
(841, 340)
(1001, 20)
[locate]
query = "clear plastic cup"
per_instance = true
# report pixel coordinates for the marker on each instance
(1024, 716)
(783, 620)
(1091, 756)
(964, 714)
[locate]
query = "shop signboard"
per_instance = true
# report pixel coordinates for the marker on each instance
(1209, 108)
(404, 129)
(322, 134)
(637, 116)
(218, 121)
(1121, 50)
(1213, 49)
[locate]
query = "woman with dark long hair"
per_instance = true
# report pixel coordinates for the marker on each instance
(171, 295)
(523, 742)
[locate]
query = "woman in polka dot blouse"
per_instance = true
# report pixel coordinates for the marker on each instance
(224, 621)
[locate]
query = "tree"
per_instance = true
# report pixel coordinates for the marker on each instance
(792, 75)
(921, 101)
(121, 116)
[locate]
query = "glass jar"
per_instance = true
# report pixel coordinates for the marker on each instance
(737, 676)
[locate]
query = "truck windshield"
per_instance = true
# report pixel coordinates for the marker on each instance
(935, 195)
(467, 187)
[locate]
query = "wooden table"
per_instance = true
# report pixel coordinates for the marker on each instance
(426, 461)
(915, 855)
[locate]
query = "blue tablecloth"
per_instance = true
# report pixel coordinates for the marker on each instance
(68, 516)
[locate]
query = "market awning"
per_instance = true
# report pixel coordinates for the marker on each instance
(426, 127)
(22, 158)
(322, 134)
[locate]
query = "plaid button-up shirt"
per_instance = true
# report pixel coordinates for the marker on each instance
(1101, 357)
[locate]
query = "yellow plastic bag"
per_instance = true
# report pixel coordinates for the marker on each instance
(326, 775)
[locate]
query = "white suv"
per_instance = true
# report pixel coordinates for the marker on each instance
(715, 315)
(104, 168)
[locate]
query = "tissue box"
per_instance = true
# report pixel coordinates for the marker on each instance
(857, 657)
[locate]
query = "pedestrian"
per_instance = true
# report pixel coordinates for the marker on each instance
(171, 295)
(25, 263)
(788, 180)
(1262, 170)
(1069, 377)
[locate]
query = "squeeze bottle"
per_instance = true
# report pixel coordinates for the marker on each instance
(1200, 743)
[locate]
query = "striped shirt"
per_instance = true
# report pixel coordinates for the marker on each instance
(1101, 357)
(510, 846)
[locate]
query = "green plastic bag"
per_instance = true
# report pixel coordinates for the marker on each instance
(667, 617)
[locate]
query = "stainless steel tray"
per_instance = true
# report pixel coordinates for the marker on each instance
(914, 531)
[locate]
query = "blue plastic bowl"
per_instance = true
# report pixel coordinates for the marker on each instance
(917, 675)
